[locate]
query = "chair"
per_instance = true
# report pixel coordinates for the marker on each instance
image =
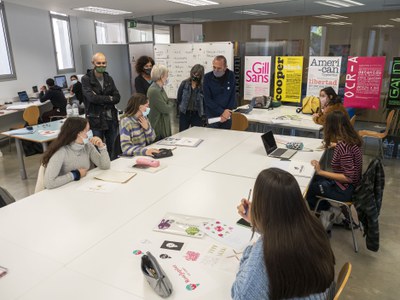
(239, 122)
(342, 279)
(31, 117)
(379, 135)
(353, 120)
(40, 179)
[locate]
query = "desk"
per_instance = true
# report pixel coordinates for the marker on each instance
(36, 136)
(85, 239)
(268, 117)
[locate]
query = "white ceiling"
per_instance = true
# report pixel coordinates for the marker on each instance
(163, 9)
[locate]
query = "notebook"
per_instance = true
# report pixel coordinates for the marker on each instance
(273, 150)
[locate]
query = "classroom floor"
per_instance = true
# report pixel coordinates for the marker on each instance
(374, 275)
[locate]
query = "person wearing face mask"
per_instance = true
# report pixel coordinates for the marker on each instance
(55, 94)
(101, 95)
(190, 99)
(72, 154)
(143, 67)
(160, 106)
(136, 131)
(76, 88)
(219, 93)
(330, 101)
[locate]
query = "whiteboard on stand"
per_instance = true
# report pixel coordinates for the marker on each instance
(180, 58)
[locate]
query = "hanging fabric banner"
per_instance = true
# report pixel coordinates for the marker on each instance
(393, 99)
(323, 71)
(288, 78)
(257, 76)
(364, 81)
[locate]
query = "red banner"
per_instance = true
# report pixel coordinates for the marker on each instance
(364, 81)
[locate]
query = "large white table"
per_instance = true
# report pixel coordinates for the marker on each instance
(68, 243)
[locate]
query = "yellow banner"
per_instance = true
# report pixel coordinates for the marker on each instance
(288, 78)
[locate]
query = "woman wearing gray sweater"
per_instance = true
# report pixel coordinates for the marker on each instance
(70, 156)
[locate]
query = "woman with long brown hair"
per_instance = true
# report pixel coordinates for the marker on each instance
(293, 257)
(346, 162)
(70, 156)
(330, 101)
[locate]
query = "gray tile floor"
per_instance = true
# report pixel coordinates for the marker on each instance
(374, 276)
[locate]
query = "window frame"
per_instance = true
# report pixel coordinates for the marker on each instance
(64, 18)
(153, 24)
(6, 33)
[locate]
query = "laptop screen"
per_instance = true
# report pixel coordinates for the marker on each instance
(269, 142)
(23, 96)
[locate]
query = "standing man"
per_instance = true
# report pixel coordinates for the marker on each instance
(101, 95)
(57, 98)
(219, 93)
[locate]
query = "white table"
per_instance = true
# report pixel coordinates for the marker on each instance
(84, 240)
(269, 117)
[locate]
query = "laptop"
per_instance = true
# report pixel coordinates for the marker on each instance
(248, 109)
(23, 96)
(273, 150)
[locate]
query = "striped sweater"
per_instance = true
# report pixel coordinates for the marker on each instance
(134, 138)
(347, 160)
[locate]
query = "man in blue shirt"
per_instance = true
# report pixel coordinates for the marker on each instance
(219, 93)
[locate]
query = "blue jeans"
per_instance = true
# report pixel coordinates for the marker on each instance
(219, 125)
(110, 135)
(189, 119)
(321, 186)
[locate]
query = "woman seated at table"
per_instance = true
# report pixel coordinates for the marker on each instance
(346, 162)
(136, 131)
(293, 257)
(70, 156)
(330, 101)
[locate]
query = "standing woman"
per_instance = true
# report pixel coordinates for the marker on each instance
(76, 88)
(190, 99)
(136, 131)
(346, 162)
(143, 67)
(160, 105)
(293, 258)
(71, 155)
(330, 101)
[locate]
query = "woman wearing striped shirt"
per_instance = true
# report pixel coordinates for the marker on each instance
(346, 162)
(136, 131)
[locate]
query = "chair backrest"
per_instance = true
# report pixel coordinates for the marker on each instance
(31, 115)
(239, 122)
(342, 279)
(117, 146)
(353, 120)
(40, 179)
(389, 121)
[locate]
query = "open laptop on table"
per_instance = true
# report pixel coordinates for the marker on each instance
(273, 150)
(248, 109)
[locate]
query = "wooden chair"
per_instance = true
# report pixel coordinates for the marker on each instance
(353, 120)
(342, 279)
(239, 122)
(31, 117)
(379, 135)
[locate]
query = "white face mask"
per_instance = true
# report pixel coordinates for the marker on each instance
(74, 82)
(146, 112)
(89, 136)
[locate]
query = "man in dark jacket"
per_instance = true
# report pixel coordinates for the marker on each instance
(101, 95)
(57, 98)
(219, 93)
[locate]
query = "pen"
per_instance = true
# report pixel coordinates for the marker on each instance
(246, 207)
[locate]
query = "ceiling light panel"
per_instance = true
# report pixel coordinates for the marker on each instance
(254, 12)
(396, 19)
(383, 26)
(339, 3)
(339, 23)
(102, 10)
(273, 21)
(331, 17)
(195, 2)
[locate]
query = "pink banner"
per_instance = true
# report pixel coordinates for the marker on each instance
(364, 81)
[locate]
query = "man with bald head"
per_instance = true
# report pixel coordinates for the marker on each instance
(101, 95)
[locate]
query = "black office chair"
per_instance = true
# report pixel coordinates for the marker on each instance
(117, 151)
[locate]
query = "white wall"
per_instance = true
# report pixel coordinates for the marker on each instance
(33, 49)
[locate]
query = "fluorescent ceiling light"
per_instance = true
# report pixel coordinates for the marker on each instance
(331, 16)
(327, 4)
(102, 10)
(273, 21)
(339, 23)
(396, 19)
(340, 3)
(383, 26)
(254, 12)
(186, 20)
(195, 2)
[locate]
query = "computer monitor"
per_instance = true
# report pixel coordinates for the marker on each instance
(61, 81)
(23, 96)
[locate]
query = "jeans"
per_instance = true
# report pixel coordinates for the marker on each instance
(219, 125)
(110, 135)
(321, 186)
(189, 119)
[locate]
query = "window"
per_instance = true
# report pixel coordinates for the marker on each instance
(144, 33)
(6, 61)
(110, 33)
(62, 43)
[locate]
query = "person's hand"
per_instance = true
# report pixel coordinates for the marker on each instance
(143, 122)
(315, 115)
(316, 165)
(97, 141)
(151, 151)
(332, 145)
(244, 209)
(42, 88)
(83, 172)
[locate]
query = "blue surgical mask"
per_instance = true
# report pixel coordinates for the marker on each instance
(218, 73)
(89, 136)
(146, 112)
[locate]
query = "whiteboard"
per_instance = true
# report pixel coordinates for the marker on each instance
(180, 58)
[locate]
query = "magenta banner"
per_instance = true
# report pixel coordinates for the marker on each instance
(364, 81)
